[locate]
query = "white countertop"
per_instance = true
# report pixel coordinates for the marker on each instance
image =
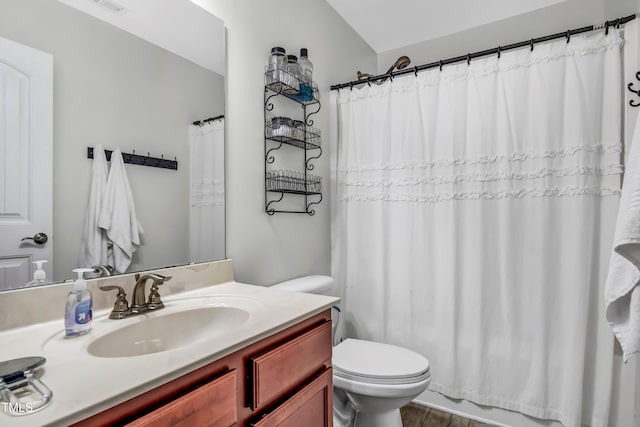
(83, 384)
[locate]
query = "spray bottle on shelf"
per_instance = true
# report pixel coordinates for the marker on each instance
(39, 276)
(78, 311)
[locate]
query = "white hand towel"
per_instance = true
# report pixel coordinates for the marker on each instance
(93, 250)
(118, 215)
(622, 293)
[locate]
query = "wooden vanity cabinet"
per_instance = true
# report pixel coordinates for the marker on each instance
(283, 380)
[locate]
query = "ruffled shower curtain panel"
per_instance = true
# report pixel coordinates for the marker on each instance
(474, 213)
(207, 222)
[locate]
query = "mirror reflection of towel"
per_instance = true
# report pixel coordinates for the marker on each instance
(93, 250)
(118, 215)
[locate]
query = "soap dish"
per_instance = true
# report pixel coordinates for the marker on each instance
(17, 384)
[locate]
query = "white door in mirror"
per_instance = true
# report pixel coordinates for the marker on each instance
(26, 135)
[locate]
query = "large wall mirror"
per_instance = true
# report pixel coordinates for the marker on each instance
(132, 75)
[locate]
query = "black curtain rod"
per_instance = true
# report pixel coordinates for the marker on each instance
(497, 50)
(210, 119)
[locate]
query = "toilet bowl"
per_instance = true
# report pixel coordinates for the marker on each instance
(375, 378)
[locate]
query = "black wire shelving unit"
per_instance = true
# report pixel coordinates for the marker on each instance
(283, 131)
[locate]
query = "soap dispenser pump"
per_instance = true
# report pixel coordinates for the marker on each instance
(78, 311)
(39, 276)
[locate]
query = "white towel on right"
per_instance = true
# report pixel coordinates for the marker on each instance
(118, 215)
(622, 290)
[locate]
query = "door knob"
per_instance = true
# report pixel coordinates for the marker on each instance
(38, 238)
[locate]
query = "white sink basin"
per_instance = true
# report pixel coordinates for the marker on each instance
(183, 322)
(168, 331)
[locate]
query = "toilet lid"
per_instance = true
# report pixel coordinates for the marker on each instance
(378, 363)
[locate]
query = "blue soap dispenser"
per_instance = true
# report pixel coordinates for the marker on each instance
(78, 311)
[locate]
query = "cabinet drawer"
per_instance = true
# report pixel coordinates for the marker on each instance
(310, 407)
(213, 404)
(279, 370)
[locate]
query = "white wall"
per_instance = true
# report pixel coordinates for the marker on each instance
(267, 249)
(567, 15)
(625, 405)
(116, 89)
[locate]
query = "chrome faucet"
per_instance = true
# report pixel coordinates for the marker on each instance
(121, 308)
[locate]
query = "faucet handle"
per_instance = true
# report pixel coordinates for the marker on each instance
(121, 306)
(154, 296)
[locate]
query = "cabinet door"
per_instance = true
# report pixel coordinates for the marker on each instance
(213, 404)
(283, 368)
(312, 406)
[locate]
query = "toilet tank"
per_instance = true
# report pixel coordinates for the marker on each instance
(310, 284)
(316, 285)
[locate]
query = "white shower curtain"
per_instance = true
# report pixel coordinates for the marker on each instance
(474, 213)
(207, 222)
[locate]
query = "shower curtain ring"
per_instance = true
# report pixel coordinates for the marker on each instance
(351, 85)
(531, 45)
(369, 81)
(618, 23)
(499, 51)
(568, 36)
(606, 28)
(415, 70)
(441, 64)
(468, 59)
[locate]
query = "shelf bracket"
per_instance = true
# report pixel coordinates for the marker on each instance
(309, 165)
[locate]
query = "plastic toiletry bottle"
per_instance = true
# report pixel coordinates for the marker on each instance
(39, 276)
(306, 75)
(293, 71)
(306, 67)
(78, 311)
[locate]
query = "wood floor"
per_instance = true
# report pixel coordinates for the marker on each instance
(414, 415)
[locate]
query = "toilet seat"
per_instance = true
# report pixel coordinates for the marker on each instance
(376, 363)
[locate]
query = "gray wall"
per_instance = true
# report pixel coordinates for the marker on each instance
(567, 15)
(113, 88)
(267, 249)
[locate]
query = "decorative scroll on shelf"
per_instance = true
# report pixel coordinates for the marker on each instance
(636, 91)
(136, 159)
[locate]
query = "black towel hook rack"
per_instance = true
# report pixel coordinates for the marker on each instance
(136, 159)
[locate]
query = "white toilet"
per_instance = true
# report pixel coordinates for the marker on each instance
(371, 381)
